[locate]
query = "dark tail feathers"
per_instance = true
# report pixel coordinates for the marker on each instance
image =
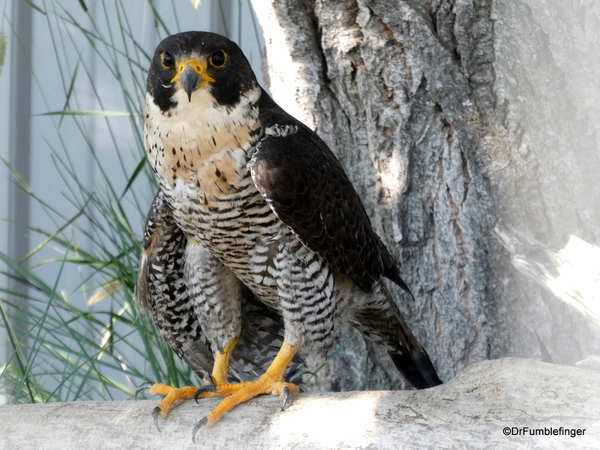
(416, 368)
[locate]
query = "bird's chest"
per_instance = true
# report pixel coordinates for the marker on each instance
(203, 172)
(207, 193)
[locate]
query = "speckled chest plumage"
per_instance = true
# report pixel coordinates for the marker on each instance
(201, 164)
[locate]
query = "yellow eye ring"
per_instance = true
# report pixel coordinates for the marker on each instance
(217, 59)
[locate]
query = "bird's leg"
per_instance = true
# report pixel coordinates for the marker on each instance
(271, 382)
(174, 395)
(221, 365)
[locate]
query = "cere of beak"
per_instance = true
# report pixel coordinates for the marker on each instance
(189, 79)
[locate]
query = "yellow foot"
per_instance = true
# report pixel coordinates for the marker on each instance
(173, 396)
(240, 393)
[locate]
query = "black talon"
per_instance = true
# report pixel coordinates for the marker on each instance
(286, 396)
(155, 412)
(199, 425)
(203, 389)
(145, 385)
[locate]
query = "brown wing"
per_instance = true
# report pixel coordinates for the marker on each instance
(307, 188)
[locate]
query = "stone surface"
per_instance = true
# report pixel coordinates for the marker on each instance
(471, 411)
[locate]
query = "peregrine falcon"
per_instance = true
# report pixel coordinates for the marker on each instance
(255, 205)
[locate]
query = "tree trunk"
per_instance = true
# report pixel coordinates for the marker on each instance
(470, 131)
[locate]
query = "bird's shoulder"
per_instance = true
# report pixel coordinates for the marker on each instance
(308, 189)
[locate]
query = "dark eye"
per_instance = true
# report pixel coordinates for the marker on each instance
(167, 59)
(217, 59)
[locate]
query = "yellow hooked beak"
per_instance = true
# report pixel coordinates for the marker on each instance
(191, 74)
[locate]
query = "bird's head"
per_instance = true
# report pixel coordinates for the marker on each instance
(194, 61)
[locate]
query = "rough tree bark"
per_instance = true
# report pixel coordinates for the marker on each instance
(470, 129)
